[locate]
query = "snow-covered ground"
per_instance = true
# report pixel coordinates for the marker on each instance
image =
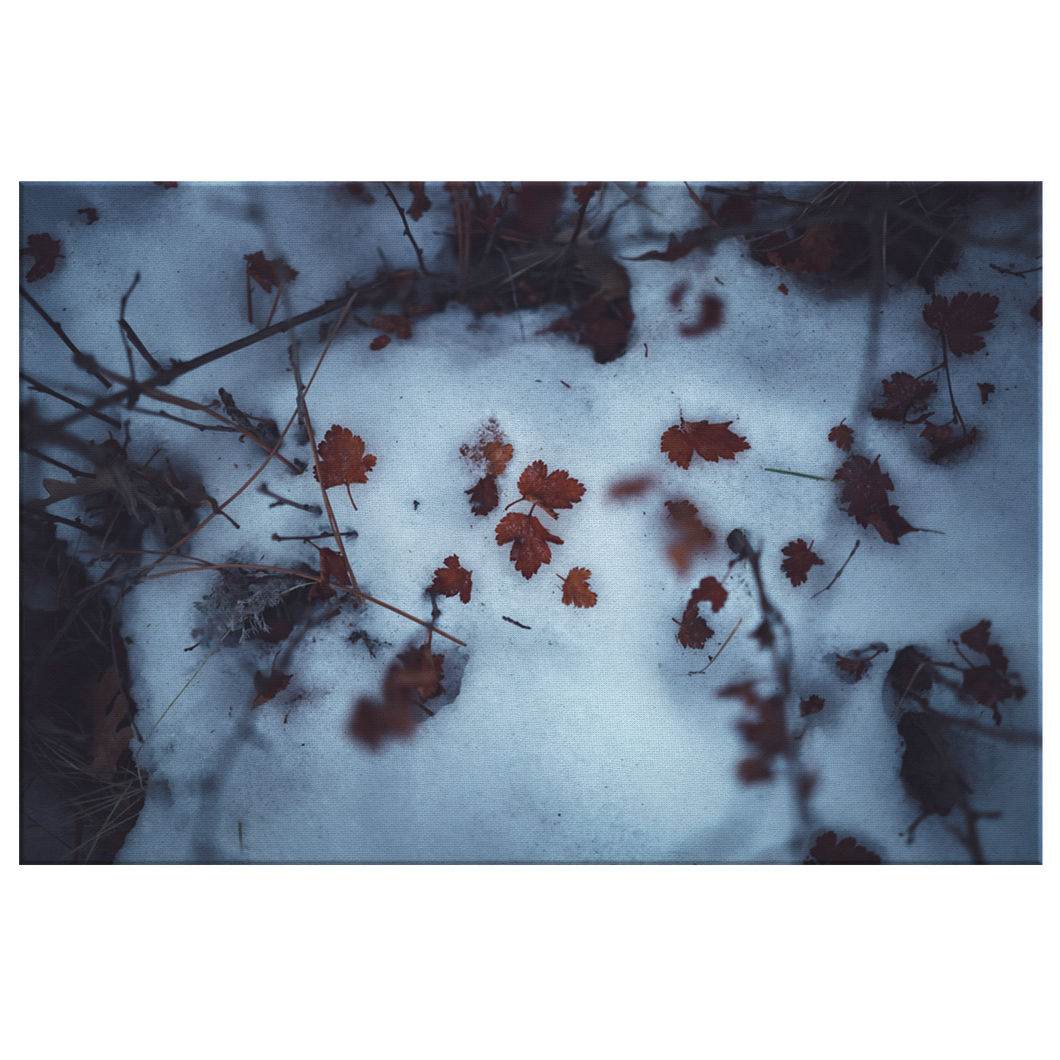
(565, 734)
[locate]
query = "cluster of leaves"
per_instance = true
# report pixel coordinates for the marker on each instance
(836, 235)
(511, 254)
(766, 731)
(523, 530)
(989, 684)
(829, 849)
(693, 631)
(962, 322)
(490, 452)
(865, 498)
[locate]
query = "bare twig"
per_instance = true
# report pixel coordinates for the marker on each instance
(313, 509)
(315, 537)
(691, 673)
(840, 571)
(80, 359)
(126, 328)
(70, 401)
(513, 622)
(408, 231)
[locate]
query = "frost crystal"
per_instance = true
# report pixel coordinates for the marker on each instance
(238, 601)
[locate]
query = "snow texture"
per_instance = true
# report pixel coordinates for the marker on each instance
(582, 738)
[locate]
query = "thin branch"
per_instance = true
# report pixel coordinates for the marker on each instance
(58, 463)
(799, 474)
(315, 537)
(126, 327)
(408, 231)
(313, 509)
(75, 523)
(692, 673)
(88, 363)
(840, 571)
(70, 401)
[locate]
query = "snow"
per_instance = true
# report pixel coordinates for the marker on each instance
(583, 738)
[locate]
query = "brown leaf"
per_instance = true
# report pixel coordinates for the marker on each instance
(712, 441)
(379, 342)
(690, 535)
(826, 851)
(549, 491)
(865, 495)
(393, 324)
(961, 319)
(801, 558)
(45, 253)
(985, 390)
(268, 274)
(530, 541)
(812, 705)
(903, 394)
(490, 451)
(710, 316)
(576, 588)
(420, 203)
(343, 460)
(710, 591)
(452, 580)
(484, 497)
(842, 435)
(424, 670)
(693, 631)
(269, 687)
(630, 487)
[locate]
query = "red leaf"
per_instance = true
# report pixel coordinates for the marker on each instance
(343, 460)
(268, 274)
(332, 569)
(691, 535)
(902, 394)
(782, 288)
(710, 313)
(813, 705)
(423, 671)
(45, 251)
(576, 588)
(398, 325)
(420, 203)
(529, 540)
(676, 249)
(826, 851)
(549, 491)
(842, 435)
(372, 720)
(800, 559)
(693, 631)
(452, 580)
(484, 496)
(812, 253)
(710, 591)
(379, 342)
(269, 687)
(766, 733)
(584, 192)
(961, 318)
(865, 495)
(713, 442)
(490, 450)
(985, 390)
(630, 487)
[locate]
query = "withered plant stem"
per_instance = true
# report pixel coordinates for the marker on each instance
(80, 359)
(70, 401)
(408, 231)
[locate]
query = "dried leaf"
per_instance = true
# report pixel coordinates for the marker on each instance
(865, 495)
(827, 851)
(961, 319)
(576, 588)
(530, 541)
(484, 497)
(691, 536)
(985, 390)
(269, 687)
(420, 203)
(343, 460)
(766, 733)
(710, 591)
(424, 670)
(801, 558)
(379, 342)
(268, 274)
(549, 491)
(693, 631)
(45, 252)
(490, 451)
(710, 316)
(630, 487)
(712, 441)
(452, 580)
(842, 435)
(903, 394)
(812, 705)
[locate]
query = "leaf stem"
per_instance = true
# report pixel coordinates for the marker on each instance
(799, 474)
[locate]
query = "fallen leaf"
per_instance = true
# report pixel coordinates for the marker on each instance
(782, 288)
(549, 490)
(343, 460)
(424, 670)
(710, 591)
(865, 494)
(393, 324)
(630, 487)
(268, 274)
(529, 540)
(710, 315)
(484, 496)
(693, 631)
(842, 435)
(985, 390)
(961, 319)
(801, 558)
(45, 252)
(576, 588)
(452, 580)
(420, 203)
(903, 394)
(490, 451)
(827, 851)
(712, 441)
(379, 342)
(691, 535)
(812, 705)
(332, 569)
(269, 687)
